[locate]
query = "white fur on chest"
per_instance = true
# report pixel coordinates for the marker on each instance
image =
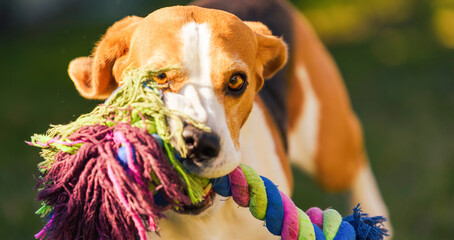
(258, 149)
(225, 220)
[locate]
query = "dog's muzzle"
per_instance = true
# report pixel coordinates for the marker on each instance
(202, 146)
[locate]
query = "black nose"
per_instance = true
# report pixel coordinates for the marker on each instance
(201, 145)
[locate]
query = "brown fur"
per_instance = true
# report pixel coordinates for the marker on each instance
(130, 43)
(151, 42)
(340, 146)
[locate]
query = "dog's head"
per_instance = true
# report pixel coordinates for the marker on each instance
(223, 63)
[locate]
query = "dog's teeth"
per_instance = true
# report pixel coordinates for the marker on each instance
(207, 189)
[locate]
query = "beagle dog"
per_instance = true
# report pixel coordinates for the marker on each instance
(302, 114)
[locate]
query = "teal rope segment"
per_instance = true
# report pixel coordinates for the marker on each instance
(284, 219)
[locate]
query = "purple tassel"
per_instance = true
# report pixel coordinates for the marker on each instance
(84, 188)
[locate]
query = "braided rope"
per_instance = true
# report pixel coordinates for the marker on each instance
(266, 202)
(129, 136)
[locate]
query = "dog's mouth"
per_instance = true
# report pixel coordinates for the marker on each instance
(195, 209)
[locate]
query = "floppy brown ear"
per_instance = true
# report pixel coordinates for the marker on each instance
(272, 51)
(92, 75)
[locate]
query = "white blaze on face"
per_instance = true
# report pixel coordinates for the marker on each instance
(198, 100)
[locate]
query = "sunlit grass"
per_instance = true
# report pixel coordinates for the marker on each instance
(443, 21)
(353, 20)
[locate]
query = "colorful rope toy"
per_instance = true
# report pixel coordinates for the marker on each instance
(283, 218)
(112, 173)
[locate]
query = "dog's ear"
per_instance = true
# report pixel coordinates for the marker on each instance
(272, 51)
(93, 76)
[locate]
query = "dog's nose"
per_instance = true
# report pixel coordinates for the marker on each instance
(201, 145)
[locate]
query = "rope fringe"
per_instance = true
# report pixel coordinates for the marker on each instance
(367, 228)
(112, 173)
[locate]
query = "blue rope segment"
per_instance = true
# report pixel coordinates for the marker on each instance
(122, 157)
(367, 228)
(159, 199)
(222, 186)
(357, 226)
(345, 232)
(318, 233)
(158, 139)
(275, 211)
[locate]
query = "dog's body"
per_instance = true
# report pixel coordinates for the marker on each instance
(302, 114)
(310, 106)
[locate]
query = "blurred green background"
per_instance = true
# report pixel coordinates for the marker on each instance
(396, 56)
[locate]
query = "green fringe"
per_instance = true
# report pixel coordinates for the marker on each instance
(44, 210)
(139, 103)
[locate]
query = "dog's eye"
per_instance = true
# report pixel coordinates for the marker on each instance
(237, 82)
(160, 78)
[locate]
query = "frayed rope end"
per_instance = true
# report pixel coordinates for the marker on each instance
(367, 228)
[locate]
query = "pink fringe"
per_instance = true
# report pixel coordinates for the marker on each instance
(54, 140)
(93, 197)
(42, 234)
(120, 139)
(135, 217)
